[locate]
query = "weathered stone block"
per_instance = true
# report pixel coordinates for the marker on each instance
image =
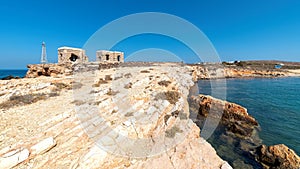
(13, 158)
(43, 146)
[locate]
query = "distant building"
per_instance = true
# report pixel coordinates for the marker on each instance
(71, 55)
(109, 56)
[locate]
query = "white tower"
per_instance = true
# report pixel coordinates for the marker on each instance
(44, 54)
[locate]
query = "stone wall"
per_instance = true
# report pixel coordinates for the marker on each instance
(71, 55)
(109, 56)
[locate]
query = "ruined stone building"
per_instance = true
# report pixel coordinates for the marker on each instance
(71, 55)
(109, 56)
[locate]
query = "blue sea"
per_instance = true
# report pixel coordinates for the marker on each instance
(5, 73)
(274, 103)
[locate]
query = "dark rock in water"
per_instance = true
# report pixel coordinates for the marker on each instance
(277, 156)
(234, 117)
(10, 77)
(238, 130)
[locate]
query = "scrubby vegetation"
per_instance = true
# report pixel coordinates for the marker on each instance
(171, 132)
(100, 81)
(61, 86)
(18, 100)
(127, 86)
(171, 96)
(111, 92)
(145, 71)
(78, 102)
(129, 114)
(76, 85)
(165, 83)
(128, 75)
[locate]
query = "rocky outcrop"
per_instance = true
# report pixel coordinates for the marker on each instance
(234, 117)
(65, 69)
(13, 158)
(219, 71)
(239, 124)
(53, 70)
(208, 71)
(103, 122)
(10, 77)
(278, 157)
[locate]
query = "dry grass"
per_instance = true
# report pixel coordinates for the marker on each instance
(111, 92)
(165, 83)
(171, 132)
(101, 81)
(61, 86)
(179, 114)
(171, 96)
(129, 114)
(128, 75)
(78, 102)
(26, 99)
(108, 78)
(127, 86)
(76, 85)
(166, 118)
(145, 71)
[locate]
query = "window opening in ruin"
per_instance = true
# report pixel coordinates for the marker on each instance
(107, 56)
(73, 57)
(118, 58)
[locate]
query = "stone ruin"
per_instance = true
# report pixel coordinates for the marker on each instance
(71, 55)
(109, 56)
(77, 55)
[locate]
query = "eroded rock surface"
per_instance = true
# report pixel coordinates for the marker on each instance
(233, 116)
(199, 71)
(54, 70)
(217, 71)
(127, 117)
(278, 157)
(239, 124)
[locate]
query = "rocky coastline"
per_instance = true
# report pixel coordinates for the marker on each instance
(241, 129)
(42, 125)
(199, 71)
(38, 136)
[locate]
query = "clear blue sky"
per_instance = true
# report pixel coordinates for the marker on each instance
(239, 30)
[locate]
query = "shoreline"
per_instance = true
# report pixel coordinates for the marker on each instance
(56, 73)
(40, 133)
(239, 128)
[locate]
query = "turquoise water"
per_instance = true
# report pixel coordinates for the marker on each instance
(275, 104)
(20, 73)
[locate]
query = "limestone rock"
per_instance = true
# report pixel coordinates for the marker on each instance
(278, 156)
(13, 158)
(10, 77)
(43, 146)
(106, 125)
(219, 71)
(52, 70)
(226, 166)
(234, 117)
